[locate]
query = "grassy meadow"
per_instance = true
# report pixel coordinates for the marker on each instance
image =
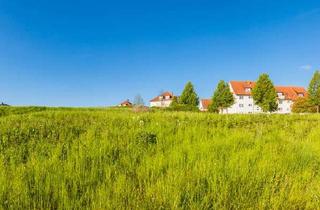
(63, 158)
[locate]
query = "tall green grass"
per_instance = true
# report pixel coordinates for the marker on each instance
(116, 159)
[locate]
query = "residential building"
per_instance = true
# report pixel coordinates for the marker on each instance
(244, 103)
(163, 100)
(126, 103)
(204, 104)
(287, 96)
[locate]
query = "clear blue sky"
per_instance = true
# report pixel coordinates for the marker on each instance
(97, 53)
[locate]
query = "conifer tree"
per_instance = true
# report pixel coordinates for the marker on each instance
(222, 98)
(189, 97)
(264, 94)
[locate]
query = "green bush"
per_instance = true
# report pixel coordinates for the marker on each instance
(183, 107)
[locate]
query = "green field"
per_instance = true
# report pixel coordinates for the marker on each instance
(62, 158)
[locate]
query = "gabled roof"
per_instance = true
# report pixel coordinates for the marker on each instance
(126, 102)
(163, 95)
(205, 103)
(289, 92)
(239, 87)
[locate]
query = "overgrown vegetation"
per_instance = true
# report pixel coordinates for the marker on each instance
(303, 105)
(118, 159)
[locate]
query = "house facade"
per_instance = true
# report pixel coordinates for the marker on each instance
(163, 100)
(244, 103)
(204, 104)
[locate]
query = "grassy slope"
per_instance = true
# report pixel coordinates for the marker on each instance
(85, 158)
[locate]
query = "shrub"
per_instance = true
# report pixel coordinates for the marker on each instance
(182, 107)
(147, 137)
(303, 105)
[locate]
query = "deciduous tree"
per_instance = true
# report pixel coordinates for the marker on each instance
(303, 105)
(138, 100)
(314, 90)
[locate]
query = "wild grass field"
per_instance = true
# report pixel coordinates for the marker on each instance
(116, 159)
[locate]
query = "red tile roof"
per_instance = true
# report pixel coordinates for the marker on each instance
(163, 95)
(205, 103)
(239, 87)
(126, 103)
(289, 92)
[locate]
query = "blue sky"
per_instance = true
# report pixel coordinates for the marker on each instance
(97, 53)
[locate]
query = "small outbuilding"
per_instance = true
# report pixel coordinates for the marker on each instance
(126, 103)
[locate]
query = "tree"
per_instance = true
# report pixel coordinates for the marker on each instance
(222, 98)
(189, 97)
(174, 102)
(264, 94)
(314, 90)
(138, 100)
(303, 105)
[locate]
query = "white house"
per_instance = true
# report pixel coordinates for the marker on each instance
(287, 95)
(204, 104)
(163, 100)
(244, 102)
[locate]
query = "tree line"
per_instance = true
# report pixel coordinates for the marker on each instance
(263, 93)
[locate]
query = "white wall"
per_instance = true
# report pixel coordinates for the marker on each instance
(245, 105)
(201, 107)
(248, 107)
(162, 104)
(284, 106)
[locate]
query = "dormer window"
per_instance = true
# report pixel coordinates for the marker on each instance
(301, 95)
(280, 94)
(248, 90)
(160, 97)
(168, 97)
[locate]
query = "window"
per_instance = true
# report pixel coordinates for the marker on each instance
(249, 104)
(168, 97)
(249, 97)
(280, 101)
(240, 105)
(241, 97)
(300, 94)
(248, 90)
